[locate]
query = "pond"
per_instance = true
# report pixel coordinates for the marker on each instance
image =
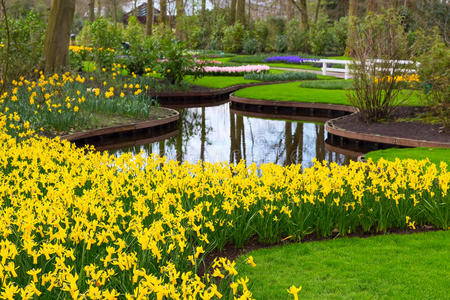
(218, 133)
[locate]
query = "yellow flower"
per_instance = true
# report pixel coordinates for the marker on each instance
(294, 291)
(250, 261)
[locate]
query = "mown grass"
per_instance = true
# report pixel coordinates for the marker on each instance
(435, 155)
(293, 91)
(329, 84)
(413, 266)
(218, 82)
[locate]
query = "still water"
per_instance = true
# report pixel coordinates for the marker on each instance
(217, 133)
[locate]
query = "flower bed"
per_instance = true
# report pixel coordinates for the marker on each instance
(235, 71)
(76, 223)
(289, 59)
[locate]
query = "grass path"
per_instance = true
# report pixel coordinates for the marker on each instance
(412, 266)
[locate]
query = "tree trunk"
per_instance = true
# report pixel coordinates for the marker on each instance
(163, 13)
(204, 11)
(352, 17)
(233, 12)
(302, 7)
(372, 6)
(241, 11)
(149, 18)
(91, 10)
(57, 39)
(114, 13)
(99, 8)
(135, 11)
(316, 17)
(179, 19)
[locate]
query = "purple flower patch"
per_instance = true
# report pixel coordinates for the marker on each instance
(290, 59)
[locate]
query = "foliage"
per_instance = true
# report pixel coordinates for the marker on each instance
(100, 225)
(99, 36)
(249, 59)
(319, 36)
(434, 73)
(261, 34)
(286, 76)
(175, 62)
(297, 37)
(376, 86)
(281, 43)
(25, 48)
(233, 38)
(251, 45)
(61, 103)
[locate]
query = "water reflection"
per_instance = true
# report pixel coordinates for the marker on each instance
(217, 134)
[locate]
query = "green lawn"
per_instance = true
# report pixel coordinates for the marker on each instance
(413, 266)
(218, 82)
(292, 91)
(435, 155)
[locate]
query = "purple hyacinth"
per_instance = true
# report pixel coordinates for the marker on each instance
(289, 59)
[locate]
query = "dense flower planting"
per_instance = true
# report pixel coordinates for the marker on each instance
(235, 71)
(289, 59)
(75, 223)
(57, 103)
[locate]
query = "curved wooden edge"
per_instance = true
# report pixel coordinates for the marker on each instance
(214, 92)
(122, 128)
(343, 151)
(279, 116)
(137, 142)
(406, 142)
(273, 103)
(196, 105)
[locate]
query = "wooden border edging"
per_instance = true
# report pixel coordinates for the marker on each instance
(329, 126)
(374, 138)
(291, 104)
(181, 97)
(122, 128)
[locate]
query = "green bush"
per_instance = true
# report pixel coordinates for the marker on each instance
(319, 36)
(175, 61)
(233, 39)
(261, 33)
(286, 76)
(25, 47)
(249, 59)
(297, 38)
(281, 43)
(434, 73)
(250, 45)
(338, 35)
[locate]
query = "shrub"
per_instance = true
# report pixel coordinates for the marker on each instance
(286, 76)
(376, 85)
(434, 73)
(261, 32)
(251, 45)
(25, 46)
(281, 43)
(233, 38)
(297, 39)
(338, 35)
(175, 62)
(319, 36)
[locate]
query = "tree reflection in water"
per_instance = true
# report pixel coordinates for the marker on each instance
(216, 134)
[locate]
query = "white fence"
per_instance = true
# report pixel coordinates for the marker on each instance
(346, 63)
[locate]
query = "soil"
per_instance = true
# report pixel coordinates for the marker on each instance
(402, 129)
(232, 253)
